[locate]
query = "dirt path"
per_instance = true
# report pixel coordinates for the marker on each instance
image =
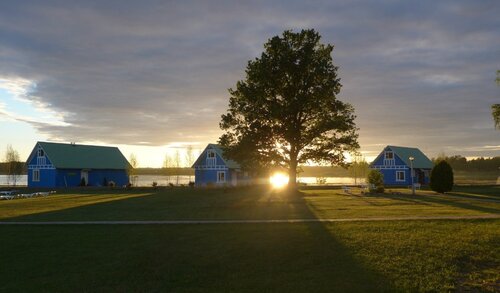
(290, 221)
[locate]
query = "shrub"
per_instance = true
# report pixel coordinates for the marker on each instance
(320, 180)
(376, 181)
(191, 184)
(442, 177)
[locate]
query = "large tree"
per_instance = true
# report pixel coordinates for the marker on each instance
(495, 108)
(286, 112)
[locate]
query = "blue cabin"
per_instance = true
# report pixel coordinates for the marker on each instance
(211, 168)
(396, 163)
(68, 165)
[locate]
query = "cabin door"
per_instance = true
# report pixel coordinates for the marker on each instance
(85, 175)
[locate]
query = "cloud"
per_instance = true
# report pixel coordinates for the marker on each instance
(157, 72)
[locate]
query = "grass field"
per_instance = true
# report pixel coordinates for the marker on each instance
(422, 255)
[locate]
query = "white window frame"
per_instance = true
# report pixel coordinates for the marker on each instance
(389, 152)
(36, 175)
(211, 158)
(397, 176)
(219, 173)
(210, 154)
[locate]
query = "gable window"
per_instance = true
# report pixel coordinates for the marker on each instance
(36, 175)
(211, 159)
(389, 155)
(40, 160)
(400, 176)
(221, 176)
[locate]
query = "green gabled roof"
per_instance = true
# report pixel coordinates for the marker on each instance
(218, 150)
(76, 156)
(404, 153)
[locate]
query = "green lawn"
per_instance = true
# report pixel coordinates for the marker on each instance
(423, 255)
(243, 203)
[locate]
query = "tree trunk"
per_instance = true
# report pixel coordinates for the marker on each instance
(292, 172)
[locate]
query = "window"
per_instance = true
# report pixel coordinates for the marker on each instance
(400, 176)
(389, 155)
(221, 176)
(210, 154)
(36, 175)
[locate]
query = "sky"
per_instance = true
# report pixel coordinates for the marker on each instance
(152, 77)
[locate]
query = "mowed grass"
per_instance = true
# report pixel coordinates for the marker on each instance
(245, 203)
(300, 257)
(422, 255)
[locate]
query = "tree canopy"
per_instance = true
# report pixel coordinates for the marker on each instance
(286, 112)
(495, 108)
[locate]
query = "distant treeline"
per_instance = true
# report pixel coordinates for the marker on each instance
(164, 171)
(459, 163)
(304, 171)
(4, 168)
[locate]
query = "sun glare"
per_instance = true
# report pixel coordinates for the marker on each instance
(278, 180)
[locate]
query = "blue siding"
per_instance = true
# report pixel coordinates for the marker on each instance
(47, 178)
(97, 177)
(52, 177)
(204, 177)
(72, 177)
(389, 172)
(205, 174)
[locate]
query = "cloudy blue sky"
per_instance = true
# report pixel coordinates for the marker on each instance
(152, 75)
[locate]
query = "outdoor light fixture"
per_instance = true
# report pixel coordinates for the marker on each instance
(411, 175)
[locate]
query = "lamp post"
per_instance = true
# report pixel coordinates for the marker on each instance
(411, 175)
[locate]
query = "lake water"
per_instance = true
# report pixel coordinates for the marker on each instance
(162, 180)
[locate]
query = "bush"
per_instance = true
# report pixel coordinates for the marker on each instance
(320, 180)
(442, 177)
(376, 181)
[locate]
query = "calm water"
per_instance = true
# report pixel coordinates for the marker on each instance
(162, 180)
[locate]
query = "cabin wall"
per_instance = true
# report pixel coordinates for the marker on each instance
(72, 177)
(98, 177)
(47, 172)
(47, 178)
(203, 177)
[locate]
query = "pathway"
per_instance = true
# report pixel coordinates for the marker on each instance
(289, 221)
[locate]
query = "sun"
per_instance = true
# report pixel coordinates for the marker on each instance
(278, 180)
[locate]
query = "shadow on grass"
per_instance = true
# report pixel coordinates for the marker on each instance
(298, 257)
(430, 199)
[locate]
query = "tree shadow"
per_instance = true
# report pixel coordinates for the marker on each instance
(285, 256)
(431, 199)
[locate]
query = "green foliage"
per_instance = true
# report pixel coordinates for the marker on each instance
(376, 179)
(459, 163)
(359, 168)
(495, 111)
(286, 111)
(442, 177)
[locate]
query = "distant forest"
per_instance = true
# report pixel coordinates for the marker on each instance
(458, 163)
